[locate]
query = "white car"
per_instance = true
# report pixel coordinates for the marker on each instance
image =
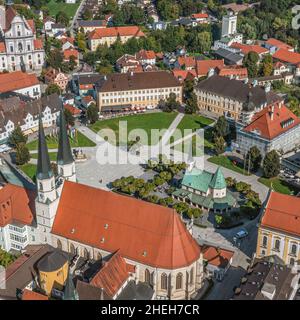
(243, 233)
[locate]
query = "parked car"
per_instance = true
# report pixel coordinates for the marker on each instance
(243, 233)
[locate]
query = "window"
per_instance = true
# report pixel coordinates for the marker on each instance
(72, 249)
(265, 241)
(147, 276)
(277, 244)
(294, 249)
(86, 254)
(164, 281)
(292, 261)
(179, 281)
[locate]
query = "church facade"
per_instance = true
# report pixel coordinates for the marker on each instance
(19, 47)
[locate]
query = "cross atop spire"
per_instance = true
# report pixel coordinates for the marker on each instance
(44, 170)
(64, 154)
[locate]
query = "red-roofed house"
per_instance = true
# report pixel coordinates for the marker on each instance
(57, 77)
(183, 75)
(279, 229)
(110, 35)
(186, 63)
(71, 53)
(16, 216)
(203, 66)
(273, 128)
(20, 82)
(32, 295)
(232, 72)
(245, 49)
(199, 18)
(218, 261)
(19, 49)
(286, 56)
(146, 57)
(277, 44)
(75, 111)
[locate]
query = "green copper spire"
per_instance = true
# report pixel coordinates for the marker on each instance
(44, 170)
(64, 154)
(218, 180)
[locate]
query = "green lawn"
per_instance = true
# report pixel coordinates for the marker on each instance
(279, 185)
(56, 6)
(226, 163)
(29, 169)
(158, 120)
(52, 156)
(52, 142)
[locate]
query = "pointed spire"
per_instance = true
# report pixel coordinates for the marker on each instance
(218, 181)
(64, 154)
(44, 170)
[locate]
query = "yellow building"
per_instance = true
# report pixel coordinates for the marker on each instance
(53, 271)
(140, 90)
(279, 228)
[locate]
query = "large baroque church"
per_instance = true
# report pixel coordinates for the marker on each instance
(20, 49)
(95, 224)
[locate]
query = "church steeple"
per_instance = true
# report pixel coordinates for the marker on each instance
(64, 154)
(65, 161)
(44, 170)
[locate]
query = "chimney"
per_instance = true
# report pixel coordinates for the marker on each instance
(131, 73)
(280, 104)
(271, 113)
(105, 77)
(211, 72)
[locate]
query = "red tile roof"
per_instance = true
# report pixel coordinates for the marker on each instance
(248, 48)
(31, 25)
(182, 75)
(287, 56)
(227, 71)
(282, 212)
(112, 275)
(38, 44)
(142, 231)
(31, 295)
(17, 80)
(283, 120)
(203, 66)
(200, 16)
(133, 31)
(14, 205)
(69, 53)
(146, 55)
(279, 44)
(72, 109)
(188, 62)
(216, 256)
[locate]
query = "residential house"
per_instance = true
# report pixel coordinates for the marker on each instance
(273, 45)
(229, 57)
(203, 66)
(53, 76)
(91, 25)
(199, 18)
(20, 82)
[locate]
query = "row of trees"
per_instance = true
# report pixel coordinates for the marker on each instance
(256, 67)
(18, 141)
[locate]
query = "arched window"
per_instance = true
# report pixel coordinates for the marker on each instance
(72, 249)
(294, 249)
(164, 281)
(277, 244)
(179, 281)
(59, 244)
(86, 254)
(265, 241)
(147, 276)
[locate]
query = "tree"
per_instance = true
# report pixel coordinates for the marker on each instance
(181, 207)
(219, 145)
(204, 41)
(69, 117)
(267, 65)
(53, 88)
(22, 154)
(221, 128)
(17, 137)
(62, 18)
(253, 159)
(92, 113)
(87, 15)
(55, 59)
(191, 104)
(81, 41)
(271, 164)
(250, 62)
(230, 182)
(171, 103)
